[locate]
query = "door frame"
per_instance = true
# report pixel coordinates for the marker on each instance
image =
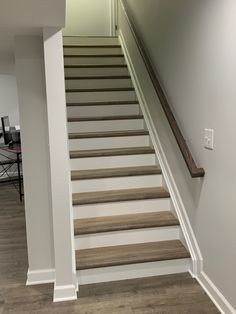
(113, 17)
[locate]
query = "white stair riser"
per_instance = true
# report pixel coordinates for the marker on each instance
(93, 60)
(104, 184)
(121, 208)
(112, 162)
(91, 51)
(109, 142)
(96, 71)
(108, 125)
(75, 97)
(98, 83)
(70, 40)
(100, 110)
(141, 270)
(124, 237)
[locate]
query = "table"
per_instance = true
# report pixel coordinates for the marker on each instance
(8, 163)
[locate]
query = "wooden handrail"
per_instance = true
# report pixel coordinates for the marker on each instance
(195, 171)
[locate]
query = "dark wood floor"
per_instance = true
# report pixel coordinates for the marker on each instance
(177, 294)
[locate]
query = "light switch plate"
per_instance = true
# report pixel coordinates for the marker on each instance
(209, 139)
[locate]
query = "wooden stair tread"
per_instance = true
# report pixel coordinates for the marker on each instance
(94, 37)
(119, 195)
(117, 55)
(108, 134)
(104, 103)
(103, 118)
(98, 77)
(124, 222)
(111, 152)
(90, 46)
(95, 66)
(130, 254)
(101, 89)
(114, 172)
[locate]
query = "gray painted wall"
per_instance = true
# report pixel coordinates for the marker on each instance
(193, 46)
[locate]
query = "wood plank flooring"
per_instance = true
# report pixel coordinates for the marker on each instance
(111, 152)
(103, 103)
(130, 254)
(119, 195)
(173, 294)
(105, 118)
(124, 222)
(107, 134)
(115, 172)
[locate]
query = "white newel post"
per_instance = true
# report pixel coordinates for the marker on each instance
(29, 70)
(65, 271)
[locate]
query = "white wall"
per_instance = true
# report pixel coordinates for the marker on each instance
(88, 18)
(25, 17)
(35, 152)
(48, 203)
(63, 228)
(193, 46)
(28, 14)
(9, 98)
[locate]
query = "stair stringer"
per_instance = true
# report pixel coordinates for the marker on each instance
(189, 238)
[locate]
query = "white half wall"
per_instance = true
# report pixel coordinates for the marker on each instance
(192, 45)
(9, 98)
(34, 137)
(89, 18)
(63, 228)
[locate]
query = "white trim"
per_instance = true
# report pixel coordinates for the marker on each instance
(132, 271)
(112, 5)
(38, 277)
(124, 237)
(169, 179)
(62, 209)
(216, 296)
(65, 293)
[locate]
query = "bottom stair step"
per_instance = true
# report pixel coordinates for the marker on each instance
(130, 254)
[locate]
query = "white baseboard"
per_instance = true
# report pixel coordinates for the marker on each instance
(38, 277)
(61, 293)
(216, 296)
(65, 293)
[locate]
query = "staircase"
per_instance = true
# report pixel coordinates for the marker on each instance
(124, 222)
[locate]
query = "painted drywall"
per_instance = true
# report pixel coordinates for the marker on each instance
(35, 152)
(65, 270)
(192, 45)
(88, 18)
(9, 98)
(25, 17)
(29, 14)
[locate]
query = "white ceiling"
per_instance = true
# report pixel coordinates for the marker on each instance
(25, 17)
